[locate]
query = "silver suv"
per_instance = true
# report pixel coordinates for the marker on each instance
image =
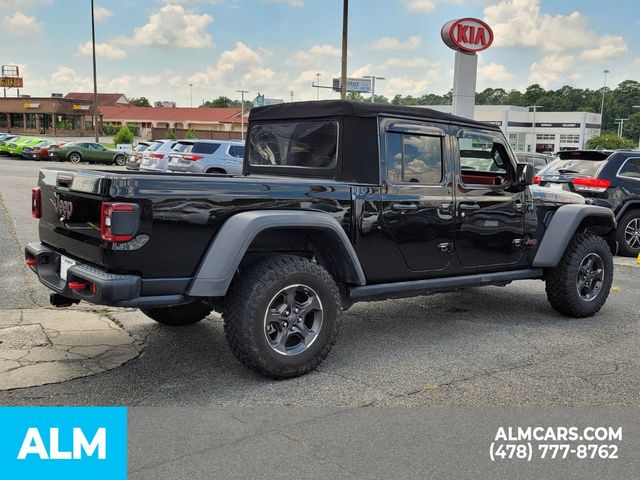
(208, 156)
(156, 156)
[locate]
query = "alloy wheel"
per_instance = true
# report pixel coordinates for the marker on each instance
(632, 233)
(590, 277)
(293, 319)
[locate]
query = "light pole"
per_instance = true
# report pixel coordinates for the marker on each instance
(620, 122)
(345, 26)
(373, 85)
(318, 86)
(95, 80)
(533, 127)
(242, 112)
(604, 90)
(191, 88)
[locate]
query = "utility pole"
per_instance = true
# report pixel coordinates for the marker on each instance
(291, 95)
(191, 88)
(242, 111)
(620, 122)
(317, 86)
(533, 127)
(95, 80)
(345, 26)
(604, 89)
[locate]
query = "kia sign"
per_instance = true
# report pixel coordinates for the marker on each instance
(467, 35)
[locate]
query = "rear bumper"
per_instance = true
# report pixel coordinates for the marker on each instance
(103, 288)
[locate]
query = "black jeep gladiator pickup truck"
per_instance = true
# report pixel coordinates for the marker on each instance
(338, 203)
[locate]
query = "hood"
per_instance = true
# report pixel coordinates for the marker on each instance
(559, 197)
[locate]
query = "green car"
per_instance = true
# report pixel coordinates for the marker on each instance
(4, 147)
(15, 148)
(77, 152)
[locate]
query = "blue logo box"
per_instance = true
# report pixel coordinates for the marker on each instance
(63, 442)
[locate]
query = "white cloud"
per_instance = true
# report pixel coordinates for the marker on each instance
(412, 62)
(392, 43)
(494, 72)
(362, 71)
(101, 14)
(293, 3)
(314, 55)
(419, 5)
(104, 50)
(21, 24)
(174, 26)
(608, 46)
(551, 69)
(23, 3)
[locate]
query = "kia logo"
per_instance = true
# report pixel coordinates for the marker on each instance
(64, 208)
(467, 35)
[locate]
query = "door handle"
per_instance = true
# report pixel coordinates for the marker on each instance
(469, 206)
(404, 207)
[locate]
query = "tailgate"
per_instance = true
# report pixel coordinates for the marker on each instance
(71, 203)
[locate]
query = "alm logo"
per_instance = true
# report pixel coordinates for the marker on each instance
(34, 445)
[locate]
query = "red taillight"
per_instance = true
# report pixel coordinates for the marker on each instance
(78, 285)
(108, 211)
(590, 184)
(32, 262)
(36, 203)
(157, 155)
(536, 179)
(192, 158)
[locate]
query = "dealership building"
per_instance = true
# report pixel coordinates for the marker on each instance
(553, 131)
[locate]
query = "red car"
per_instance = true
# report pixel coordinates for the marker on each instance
(42, 153)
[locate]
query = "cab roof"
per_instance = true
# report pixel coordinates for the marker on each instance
(340, 108)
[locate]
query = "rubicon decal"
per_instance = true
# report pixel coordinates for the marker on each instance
(467, 35)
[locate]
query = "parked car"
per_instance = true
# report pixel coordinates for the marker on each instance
(42, 152)
(27, 152)
(134, 158)
(539, 160)
(321, 218)
(156, 156)
(8, 143)
(77, 152)
(607, 178)
(209, 156)
(15, 150)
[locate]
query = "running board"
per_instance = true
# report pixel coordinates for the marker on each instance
(434, 285)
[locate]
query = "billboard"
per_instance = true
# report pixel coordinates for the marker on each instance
(11, 82)
(361, 85)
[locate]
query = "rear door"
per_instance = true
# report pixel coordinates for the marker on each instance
(490, 213)
(417, 193)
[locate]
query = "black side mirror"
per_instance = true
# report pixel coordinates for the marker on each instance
(525, 174)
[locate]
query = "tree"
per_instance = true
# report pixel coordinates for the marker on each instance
(220, 102)
(190, 134)
(632, 127)
(356, 97)
(170, 134)
(140, 102)
(123, 136)
(609, 141)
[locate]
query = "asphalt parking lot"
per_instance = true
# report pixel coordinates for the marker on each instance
(483, 347)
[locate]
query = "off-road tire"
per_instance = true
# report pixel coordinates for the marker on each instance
(623, 247)
(561, 282)
(178, 315)
(248, 301)
(120, 160)
(75, 157)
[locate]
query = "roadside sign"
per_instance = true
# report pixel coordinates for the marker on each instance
(467, 35)
(361, 85)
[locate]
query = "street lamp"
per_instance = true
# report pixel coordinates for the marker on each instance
(533, 127)
(318, 86)
(604, 89)
(242, 112)
(345, 26)
(620, 122)
(373, 85)
(95, 80)
(191, 88)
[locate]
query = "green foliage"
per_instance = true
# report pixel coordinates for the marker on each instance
(108, 129)
(123, 136)
(140, 102)
(170, 134)
(190, 135)
(610, 141)
(220, 102)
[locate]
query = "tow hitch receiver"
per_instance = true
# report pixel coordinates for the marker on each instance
(60, 301)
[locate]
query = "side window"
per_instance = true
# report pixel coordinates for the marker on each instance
(414, 158)
(631, 168)
(483, 161)
(236, 151)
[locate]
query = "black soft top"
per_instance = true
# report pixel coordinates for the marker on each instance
(339, 108)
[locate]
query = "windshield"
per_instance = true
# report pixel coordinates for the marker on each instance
(181, 147)
(294, 144)
(581, 167)
(155, 146)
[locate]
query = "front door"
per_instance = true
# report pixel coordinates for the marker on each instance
(417, 194)
(490, 208)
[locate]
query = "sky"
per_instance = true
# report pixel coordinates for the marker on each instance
(157, 48)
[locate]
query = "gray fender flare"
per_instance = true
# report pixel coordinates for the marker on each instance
(562, 228)
(626, 206)
(227, 249)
